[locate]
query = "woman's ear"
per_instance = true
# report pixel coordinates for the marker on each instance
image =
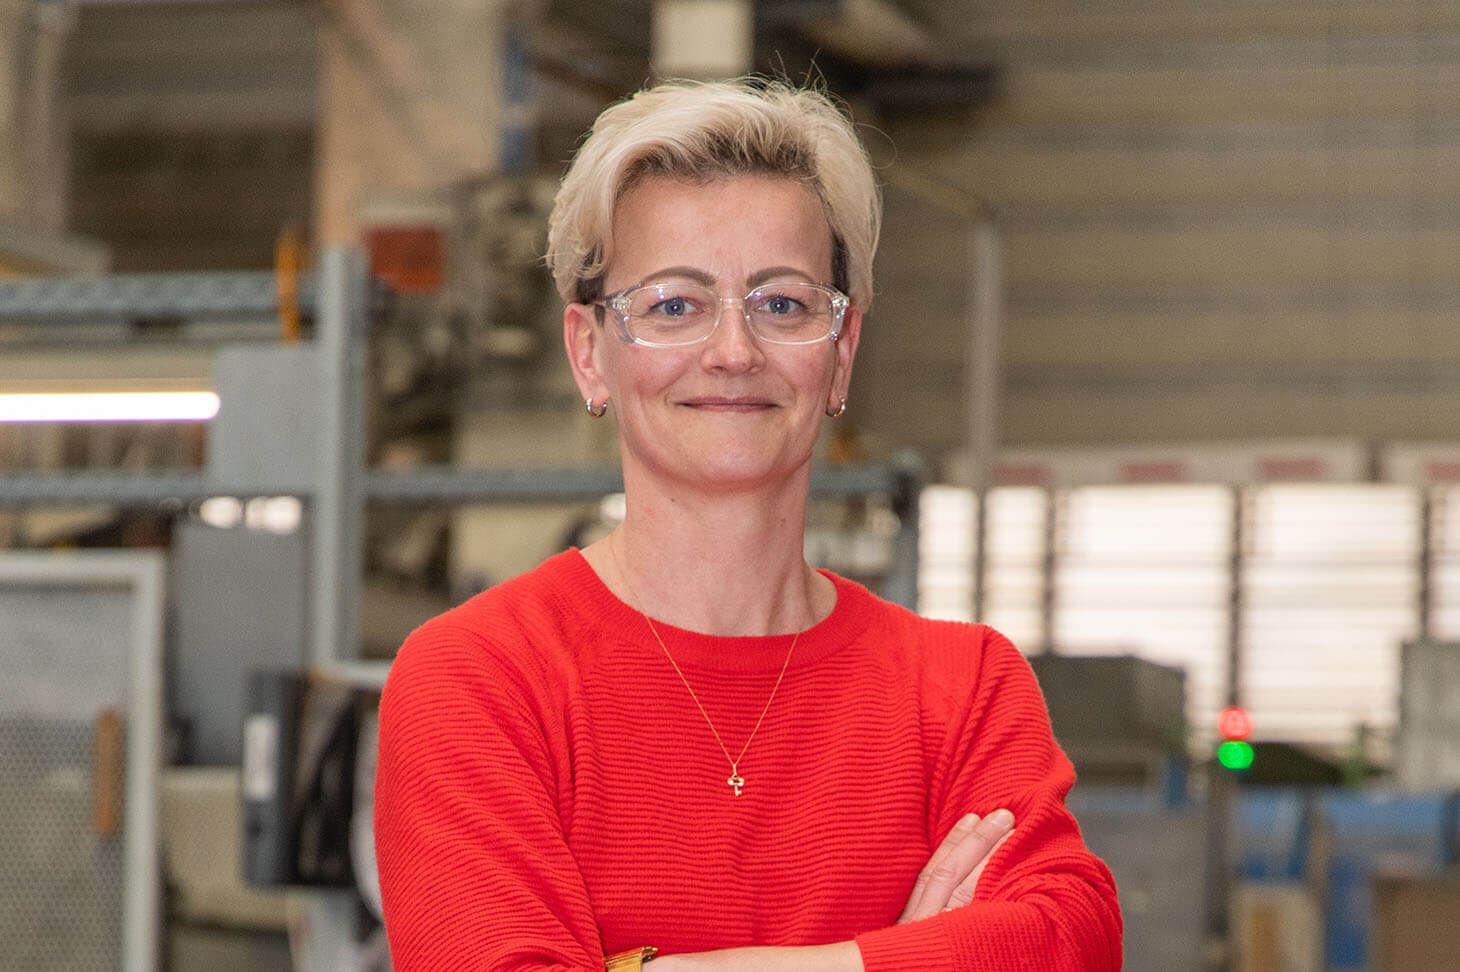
(582, 336)
(846, 350)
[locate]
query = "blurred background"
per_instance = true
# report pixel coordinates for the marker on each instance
(1162, 379)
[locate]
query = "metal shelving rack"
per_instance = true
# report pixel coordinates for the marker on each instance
(340, 295)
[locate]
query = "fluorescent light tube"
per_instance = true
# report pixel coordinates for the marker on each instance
(108, 407)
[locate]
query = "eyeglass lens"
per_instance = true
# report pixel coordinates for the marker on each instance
(784, 313)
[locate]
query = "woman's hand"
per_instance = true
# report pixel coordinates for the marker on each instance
(949, 878)
(841, 957)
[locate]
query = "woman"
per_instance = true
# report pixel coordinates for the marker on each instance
(682, 737)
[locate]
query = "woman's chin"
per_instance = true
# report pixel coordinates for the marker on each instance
(731, 472)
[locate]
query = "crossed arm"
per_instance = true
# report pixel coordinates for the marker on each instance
(947, 881)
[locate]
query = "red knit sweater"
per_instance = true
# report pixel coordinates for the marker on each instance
(548, 792)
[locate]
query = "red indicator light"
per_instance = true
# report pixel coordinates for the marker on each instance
(1234, 723)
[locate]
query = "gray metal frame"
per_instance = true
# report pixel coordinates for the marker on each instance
(142, 573)
(342, 325)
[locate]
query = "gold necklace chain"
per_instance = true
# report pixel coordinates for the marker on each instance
(735, 781)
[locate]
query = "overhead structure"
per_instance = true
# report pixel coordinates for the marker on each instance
(33, 154)
(704, 39)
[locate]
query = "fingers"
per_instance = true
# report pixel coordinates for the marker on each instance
(914, 910)
(963, 894)
(956, 865)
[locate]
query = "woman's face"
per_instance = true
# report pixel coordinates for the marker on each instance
(732, 412)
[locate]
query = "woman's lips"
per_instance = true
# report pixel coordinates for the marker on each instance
(728, 404)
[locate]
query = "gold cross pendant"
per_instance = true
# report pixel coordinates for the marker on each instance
(736, 780)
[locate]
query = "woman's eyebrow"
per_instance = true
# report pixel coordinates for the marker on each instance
(770, 273)
(687, 273)
(701, 277)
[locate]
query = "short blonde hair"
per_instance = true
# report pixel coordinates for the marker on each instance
(706, 130)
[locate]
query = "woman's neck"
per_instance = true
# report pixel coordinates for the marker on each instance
(724, 564)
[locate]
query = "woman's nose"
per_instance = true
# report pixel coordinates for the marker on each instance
(733, 346)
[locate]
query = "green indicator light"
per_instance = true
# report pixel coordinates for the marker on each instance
(1235, 754)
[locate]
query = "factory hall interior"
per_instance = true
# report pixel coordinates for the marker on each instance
(1156, 409)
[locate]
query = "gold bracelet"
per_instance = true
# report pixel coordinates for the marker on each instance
(634, 958)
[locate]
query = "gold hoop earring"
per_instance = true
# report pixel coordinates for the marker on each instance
(837, 412)
(595, 412)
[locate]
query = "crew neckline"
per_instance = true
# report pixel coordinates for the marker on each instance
(588, 595)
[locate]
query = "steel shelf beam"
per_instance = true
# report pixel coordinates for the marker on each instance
(121, 489)
(431, 485)
(129, 297)
(455, 485)
(451, 485)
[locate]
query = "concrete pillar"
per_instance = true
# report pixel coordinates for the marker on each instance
(33, 151)
(14, 40)
(411, 103)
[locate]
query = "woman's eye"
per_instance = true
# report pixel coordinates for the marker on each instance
(673, 307)
(779, 305)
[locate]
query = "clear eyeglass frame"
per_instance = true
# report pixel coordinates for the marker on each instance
(621, 302)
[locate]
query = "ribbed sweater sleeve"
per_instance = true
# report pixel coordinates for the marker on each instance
(474, 869)
(1044, 902)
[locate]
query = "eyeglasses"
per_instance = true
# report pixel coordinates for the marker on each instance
(667, 315)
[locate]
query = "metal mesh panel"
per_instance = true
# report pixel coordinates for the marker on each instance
(64, 654)
(60, 884)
